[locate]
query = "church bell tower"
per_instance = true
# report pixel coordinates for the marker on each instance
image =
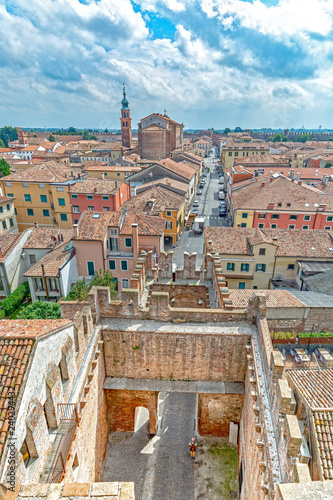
(125, 120)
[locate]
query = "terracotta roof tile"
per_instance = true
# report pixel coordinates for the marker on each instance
(163, 198)
(274, 298)
(46, 172)
(181, 168)
(323, 424)
(47, 237)
(92, 227)
(7, 243)
(51, 262)
(97, 186)
(314, 385)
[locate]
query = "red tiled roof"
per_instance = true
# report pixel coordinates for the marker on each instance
(50, 264)
(164, 199)
(7, 243)
(47, 237)
(323, 424)
(314, 385)
(274, 298)
(95, 186)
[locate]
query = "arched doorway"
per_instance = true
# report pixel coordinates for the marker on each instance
(141, 419)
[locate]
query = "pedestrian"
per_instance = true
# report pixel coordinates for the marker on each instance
(193, 446)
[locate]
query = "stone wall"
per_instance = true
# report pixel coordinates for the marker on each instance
(169, 355)
(216, 411)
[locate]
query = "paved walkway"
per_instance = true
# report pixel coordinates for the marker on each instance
(161, 468)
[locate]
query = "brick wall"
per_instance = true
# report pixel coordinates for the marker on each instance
(121, 405)
(216, 411)
(183, 296)
(178, 356)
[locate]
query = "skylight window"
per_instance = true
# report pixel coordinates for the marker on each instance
(96, 216)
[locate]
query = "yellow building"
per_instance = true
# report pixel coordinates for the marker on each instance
(160, 201)
(41, 195)
(236, 151)
(8, 222)
(110, 172)
(261, 258)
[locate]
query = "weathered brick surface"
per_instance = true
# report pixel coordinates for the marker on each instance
(172, 355)
(216, 411)
(184, 296)
(121, 405)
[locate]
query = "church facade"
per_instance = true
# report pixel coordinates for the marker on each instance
(158, 136)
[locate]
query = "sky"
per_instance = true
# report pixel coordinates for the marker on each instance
(208, 63)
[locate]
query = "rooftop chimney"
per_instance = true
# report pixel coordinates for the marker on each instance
(76, 230)
(135, 243)
(262, 184)
(36, 224)
(271, 204)
(298, 176)
(292, 173)
(325, 179)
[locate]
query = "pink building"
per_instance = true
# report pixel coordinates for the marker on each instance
(112, 241)
(97, 194)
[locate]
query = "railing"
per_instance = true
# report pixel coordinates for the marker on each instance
(67, 426)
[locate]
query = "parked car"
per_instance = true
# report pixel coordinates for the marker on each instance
(203, 174)
(196, 203)
(201, 186)
(221, 180)
(222, 212)
(221, 195)
(199, 192)
(222, 204)
(195, 211)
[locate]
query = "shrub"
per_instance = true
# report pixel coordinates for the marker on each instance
(41, 310)
(81, 289)
(12, 302)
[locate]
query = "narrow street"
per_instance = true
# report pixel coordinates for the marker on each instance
(209, 209)
(160, 467)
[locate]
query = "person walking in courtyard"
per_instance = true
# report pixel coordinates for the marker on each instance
(193, 446)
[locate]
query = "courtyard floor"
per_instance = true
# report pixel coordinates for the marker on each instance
(161, 467)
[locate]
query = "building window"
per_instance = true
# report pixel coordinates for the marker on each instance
(245, 267)
(113, 244)
(292, 217)
(273, 226)
(125, 283)
(291, 267)
(41, 186)
(11, 223)
(8, 206)
(291, 226)
(279, 204)
(43, 198)
(305, 227)
(112, 265)
(61, 202)
(113, 231)
(230, 153)
(91, 208)
(329, 218)
(91, 268)
(261, 226)
(76, 221)
(128, 242)
(46, 213)
(243, 224)
(10, 195)
(261, 268)
(27, 197)
(76, 209)
(30, 211)
(118, 174)
(8, 184)
(168, 224)
(236, 153)
(63, 217)
(39, 284)
(307, 217)
(74, 196)
(25, 184)
(106, 209)
(32, 259)
(230, 266)
(241, 285)
(327, 228)
(4, 225)
(25, 453)
(262, 251)
(1, 210)
(60, 188)
(244, 215)
(124, 265)
(53, 284)
(262, 216)
(105, 197)
(90, 197)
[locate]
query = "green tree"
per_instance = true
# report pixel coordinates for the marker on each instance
(4, 168)
(277, 138)
(41, 310)
(87, 136)
(72, 130)
(226, 131)
(51, 138)
(328, 165)
(303, 137)
(2, 144)
(285, 139)
(8, 134)
(238, 129)
(81, 289)
(269, 139)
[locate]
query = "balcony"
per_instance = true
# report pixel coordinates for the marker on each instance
(120, 253)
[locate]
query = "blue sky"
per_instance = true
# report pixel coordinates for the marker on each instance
(209, 63)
